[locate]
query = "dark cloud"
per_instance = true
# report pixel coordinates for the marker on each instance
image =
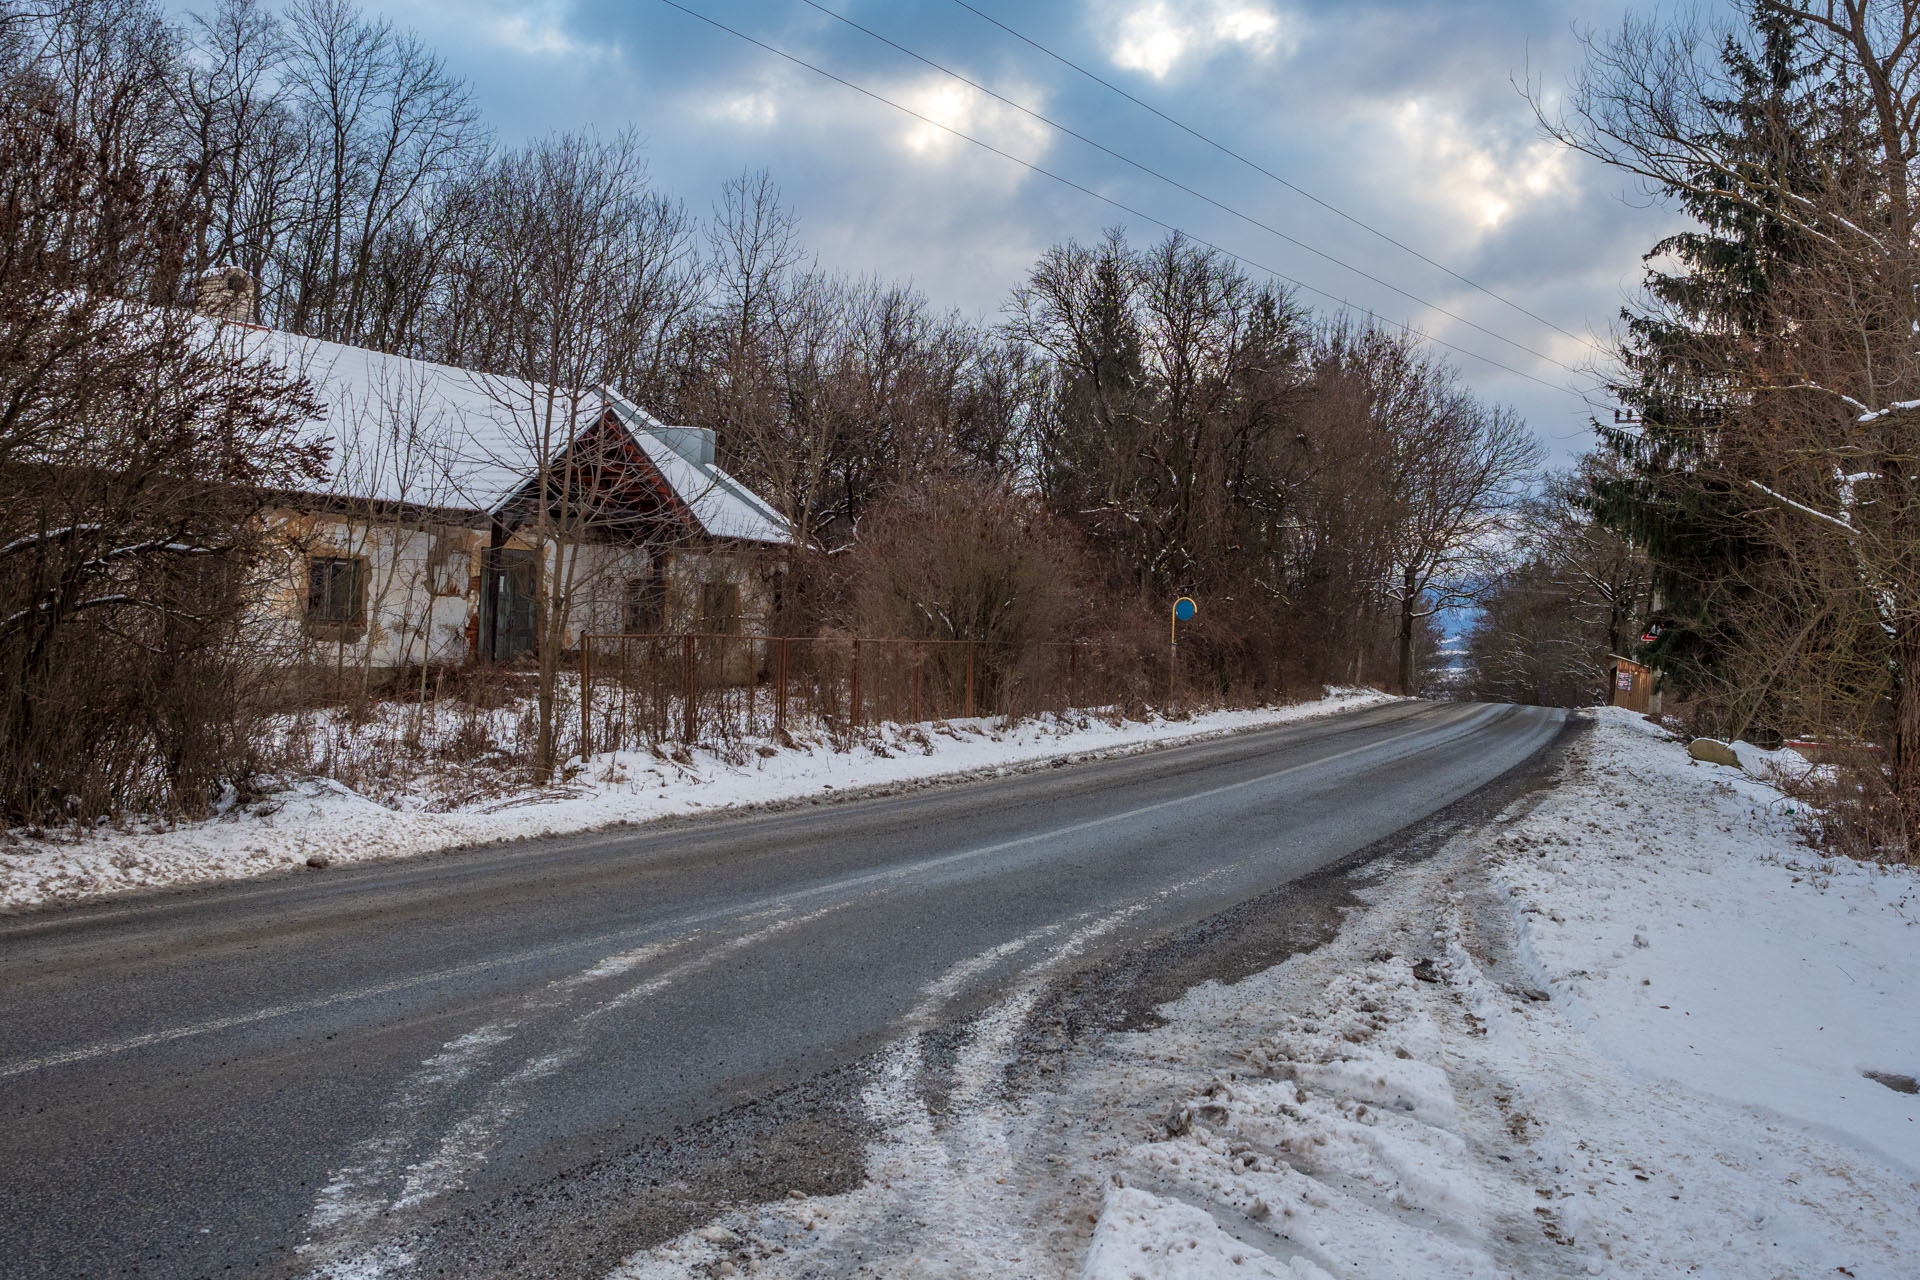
(1406, 115)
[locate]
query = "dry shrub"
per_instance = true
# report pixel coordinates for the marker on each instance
(971, 559)
(1234, 652)
(1848, 808)
(471, 739)
(490, 687)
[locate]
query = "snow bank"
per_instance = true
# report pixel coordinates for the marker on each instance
(1672, 908)
(1626, 1033)
(321, 819)
(1474, 1078)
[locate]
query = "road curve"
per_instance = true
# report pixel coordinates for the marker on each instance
(283, 1078)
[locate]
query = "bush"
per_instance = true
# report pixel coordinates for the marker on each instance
(1849, 807)
(969, 559)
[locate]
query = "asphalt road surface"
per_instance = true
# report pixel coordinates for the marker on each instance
(301, 1076)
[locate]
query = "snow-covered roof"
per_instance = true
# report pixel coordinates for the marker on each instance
(724, 507)
(404, 430)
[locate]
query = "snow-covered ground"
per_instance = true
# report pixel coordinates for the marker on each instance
(321, 819)
(1626, 1031)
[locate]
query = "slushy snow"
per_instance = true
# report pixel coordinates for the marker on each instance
(1642, 1051)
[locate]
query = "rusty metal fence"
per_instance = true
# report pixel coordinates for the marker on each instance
(641, 691)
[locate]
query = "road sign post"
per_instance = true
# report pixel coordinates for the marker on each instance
(1183, 610)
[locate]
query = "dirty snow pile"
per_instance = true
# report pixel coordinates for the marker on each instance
(1637, 1030)
(319, 821)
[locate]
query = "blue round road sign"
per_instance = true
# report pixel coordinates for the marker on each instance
(1184, 608)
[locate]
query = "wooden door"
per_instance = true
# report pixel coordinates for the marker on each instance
(514, 583)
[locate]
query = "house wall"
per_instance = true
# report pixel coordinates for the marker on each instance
(421, 590)
(689, 570)
(599, 576)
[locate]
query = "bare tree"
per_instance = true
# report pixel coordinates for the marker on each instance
(1178, 380)
(1459, 470)
(394, 471)
(388, 125)
(1452, 473)
(770, 341)
(139, 444)
(1826, 449)
(574, 246)
(1576, 595)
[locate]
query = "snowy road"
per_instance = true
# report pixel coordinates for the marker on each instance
(403, 1069)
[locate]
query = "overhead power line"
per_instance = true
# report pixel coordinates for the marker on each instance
(1298, 190)
(1250, 220)
(1124, 208)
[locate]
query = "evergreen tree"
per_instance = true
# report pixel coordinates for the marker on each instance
(1709, 323)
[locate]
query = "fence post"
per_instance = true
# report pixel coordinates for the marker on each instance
(969, 682)
(780, 687)
(690, 692)
(1073, 653)
(919, 661)
(657, 705)
(586, 698)
(626, 695)
(853, 706)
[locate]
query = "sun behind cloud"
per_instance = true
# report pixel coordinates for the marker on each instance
(1156, 37)
(972, 113)
(1476, 178)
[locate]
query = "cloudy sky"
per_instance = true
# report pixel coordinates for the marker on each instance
(1405, 115)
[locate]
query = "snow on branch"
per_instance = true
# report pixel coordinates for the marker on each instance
(1869, 415)
(1802, 507)
(51, 535)
(96, 602)
(172, 548)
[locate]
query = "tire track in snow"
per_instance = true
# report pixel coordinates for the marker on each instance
(344, 1229)
(933, 1181)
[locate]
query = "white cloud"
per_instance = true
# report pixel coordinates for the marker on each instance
(972, 113)
(753, 110)
(1476, 179)
(1155, 37)
(783, 117)
(541, 30)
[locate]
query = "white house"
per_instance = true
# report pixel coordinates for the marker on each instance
(456, 498)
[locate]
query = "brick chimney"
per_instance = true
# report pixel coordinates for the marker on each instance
(225, 293)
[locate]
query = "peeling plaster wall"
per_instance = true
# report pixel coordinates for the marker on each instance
(419, 588)
(422, 589)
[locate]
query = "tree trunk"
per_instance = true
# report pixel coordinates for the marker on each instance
(543, 736)
(1906, 732)
(549, 656)
(1408, 598)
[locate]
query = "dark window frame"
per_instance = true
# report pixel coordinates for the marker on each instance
(643, 603)
(449, 561)
(720, 607)
(336, 598)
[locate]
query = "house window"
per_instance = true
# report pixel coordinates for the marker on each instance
(645, 602)
(336, 591)
(719, 608)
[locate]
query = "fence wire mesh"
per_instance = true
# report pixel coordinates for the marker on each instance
(642, 691)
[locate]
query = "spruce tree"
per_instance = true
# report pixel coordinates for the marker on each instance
(1690, 350)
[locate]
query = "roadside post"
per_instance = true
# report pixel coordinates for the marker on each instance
(586, 699)
(1183, 610)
